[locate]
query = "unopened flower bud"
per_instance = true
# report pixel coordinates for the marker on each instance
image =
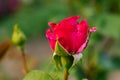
(18, 37)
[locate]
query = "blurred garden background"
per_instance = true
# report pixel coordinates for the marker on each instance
(101, 59)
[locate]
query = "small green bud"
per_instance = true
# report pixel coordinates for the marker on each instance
(18, 37)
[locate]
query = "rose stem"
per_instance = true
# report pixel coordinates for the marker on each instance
(66, 74)
(24, 62)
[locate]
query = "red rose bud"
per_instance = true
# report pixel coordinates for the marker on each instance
(72, 35)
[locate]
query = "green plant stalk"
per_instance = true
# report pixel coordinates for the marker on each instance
(25, 67)
(67, 62)
(66, 74)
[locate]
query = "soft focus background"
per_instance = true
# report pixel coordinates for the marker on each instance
(101, 59)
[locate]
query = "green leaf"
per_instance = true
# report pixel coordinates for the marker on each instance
(38, 75)
(60, 50)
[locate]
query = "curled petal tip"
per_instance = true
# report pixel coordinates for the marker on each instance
(93, 29)
(51, 24)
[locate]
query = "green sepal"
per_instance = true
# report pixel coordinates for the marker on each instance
(67, 62)
(57, 60)
(62, 57)
(60, 50)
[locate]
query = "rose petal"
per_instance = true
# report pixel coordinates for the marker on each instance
(83, 34)
(51, 38)
(83, 26)
(71, 21)
(83, 47)
(73, 18)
